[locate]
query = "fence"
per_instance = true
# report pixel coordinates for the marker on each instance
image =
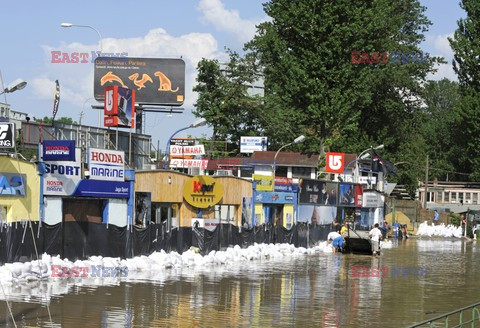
(458, 318)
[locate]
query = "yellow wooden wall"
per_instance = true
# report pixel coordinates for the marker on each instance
(22, 208)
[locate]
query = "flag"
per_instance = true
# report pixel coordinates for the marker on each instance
(56, 99)
(381, 164)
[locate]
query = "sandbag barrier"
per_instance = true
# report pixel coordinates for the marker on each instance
(80, 240)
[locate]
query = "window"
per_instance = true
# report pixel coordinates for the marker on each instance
(454, 197)
(475, 198)
(446, 197)
(438, 197)
(460, 197)
(281, 171)
(301, 172)
(467, 198)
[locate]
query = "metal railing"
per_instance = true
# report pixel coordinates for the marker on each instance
(458, 318)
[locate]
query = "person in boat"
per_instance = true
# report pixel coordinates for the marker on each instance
(337, 241)
(375, 236)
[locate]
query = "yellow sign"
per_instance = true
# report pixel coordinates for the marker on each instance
(263, 182)
(202, 191)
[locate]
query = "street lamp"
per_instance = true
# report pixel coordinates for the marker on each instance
(18, 84)
(298, 139)
(363, 155)
(196, 124)
(88, 26)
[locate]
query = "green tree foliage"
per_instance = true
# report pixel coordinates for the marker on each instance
(224, 99)
(48, 120)
(466, 48)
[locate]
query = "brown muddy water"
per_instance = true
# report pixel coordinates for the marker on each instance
(307, 291)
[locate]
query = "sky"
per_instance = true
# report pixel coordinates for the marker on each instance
(155, 29)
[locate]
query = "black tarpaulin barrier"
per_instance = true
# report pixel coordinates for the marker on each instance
(17, 242)
(302, 230)
(283, 235)
(244, 238)
(318, 233)
(207, 240)
(141, 241)
(52, 239)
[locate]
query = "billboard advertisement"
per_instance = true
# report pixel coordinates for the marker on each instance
(7, 135)
(350, 194)
(176, 151)
(106, 189)
(263, 182)
(188, 163)
(61, 177)
(251, 144)
(13, 184)
(119, 107)
(159, 81)
(318, 192)
(106, 164)
(317, 214)
(58, 150)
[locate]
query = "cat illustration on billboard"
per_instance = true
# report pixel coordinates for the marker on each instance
(165, 83)
(140, 83)
(110, 77)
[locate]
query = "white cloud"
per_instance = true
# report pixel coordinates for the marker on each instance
(441, 46)
(215, 13)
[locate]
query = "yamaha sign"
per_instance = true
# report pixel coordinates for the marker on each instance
(7, 135)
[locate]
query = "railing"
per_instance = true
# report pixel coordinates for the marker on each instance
(462, 317)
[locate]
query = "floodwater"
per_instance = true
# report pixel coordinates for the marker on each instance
(304, 291)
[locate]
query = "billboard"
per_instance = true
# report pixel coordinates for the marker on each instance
(251, 144)
(350, 194)
(58, 150)
(176, 151)
(7, 135)
(318, 192)
(263, 182)
(61, 177)
(106, 164)
(317, 214)
(188, 163)
(158, 81)
(12, 184)
(119, 107)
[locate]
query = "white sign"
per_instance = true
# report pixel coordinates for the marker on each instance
(251, 144)
(209, 224)
(188, 163)
(367, 180)
(7, 135)
(187, 150)
(372, 199)
(62, 177)
(106, 164)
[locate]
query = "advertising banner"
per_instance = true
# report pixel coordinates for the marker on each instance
(274, 197)
(372, 199)
(119, 107)
(285, 185)
(102, 189)
(182, 142)
(367, 180)
(159, 81)
(188, 163)
(58, 150)
(318, 192)
(251, 144)
(317, 214)
(61, 177)
(7, 135)
(351, 194)
(202, 191)
(56, 99)
(13, 184)
(176, 151)
(335, 162)
(263, 182)
(106, 164)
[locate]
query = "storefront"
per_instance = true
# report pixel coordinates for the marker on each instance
(274, 201)
(19, 190)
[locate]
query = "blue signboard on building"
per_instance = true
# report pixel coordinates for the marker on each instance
(12, 184)
(58, 150)
(102, 189)
(275, 197)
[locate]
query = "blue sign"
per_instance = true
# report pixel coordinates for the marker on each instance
(275, 197)
(12, 184)
(286, 188)
(58, 150)
(102, 189)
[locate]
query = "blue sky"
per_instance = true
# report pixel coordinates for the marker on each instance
(169, 29)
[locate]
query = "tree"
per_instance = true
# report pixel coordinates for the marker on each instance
(466, 48)
(48, 120)
(224, 99)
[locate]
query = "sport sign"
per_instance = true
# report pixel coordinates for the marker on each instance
(61, 177)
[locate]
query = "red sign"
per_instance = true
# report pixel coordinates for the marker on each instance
(358, 195)
(335, 162)
(119, 104)
(283, 181)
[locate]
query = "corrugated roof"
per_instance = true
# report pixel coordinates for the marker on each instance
(286, 158)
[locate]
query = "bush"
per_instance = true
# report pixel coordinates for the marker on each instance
(455, 219)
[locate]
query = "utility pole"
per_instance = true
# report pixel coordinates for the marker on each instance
(426, 186)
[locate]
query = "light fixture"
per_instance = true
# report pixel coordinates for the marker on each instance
(18, 84)
(88, 26)
(198, 123)
(299, 139)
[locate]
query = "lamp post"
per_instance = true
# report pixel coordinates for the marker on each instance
(298, 139)
(363, 155)
(18, 84)
(196, 124)
(87, 26)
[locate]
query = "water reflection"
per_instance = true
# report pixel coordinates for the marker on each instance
(315, 290)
